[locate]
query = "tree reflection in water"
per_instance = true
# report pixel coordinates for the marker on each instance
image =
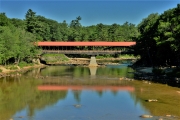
(40, 88)
(20, 92)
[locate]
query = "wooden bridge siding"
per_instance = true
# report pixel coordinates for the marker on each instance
(54, 47)
(87, 52)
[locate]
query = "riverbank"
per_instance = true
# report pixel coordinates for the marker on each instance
(7, 72)
(61, 59)
(86, 61)
(166, 75)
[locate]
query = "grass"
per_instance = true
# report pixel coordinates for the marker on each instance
(55, 57)
(124, 56)
(128, 56)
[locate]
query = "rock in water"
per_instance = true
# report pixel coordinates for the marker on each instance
(146, 116)
(152, 100)
(77, 105)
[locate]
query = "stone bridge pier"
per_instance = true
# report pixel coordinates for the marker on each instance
(93, 62)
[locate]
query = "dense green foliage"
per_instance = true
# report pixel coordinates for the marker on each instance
(157, 36)
(16, 43)
(53, 58)
(17, 36)
(159, 40)
(50, 30)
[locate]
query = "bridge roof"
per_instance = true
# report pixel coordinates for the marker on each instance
(125, 44)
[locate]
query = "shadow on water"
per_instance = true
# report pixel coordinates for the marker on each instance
(163, 79)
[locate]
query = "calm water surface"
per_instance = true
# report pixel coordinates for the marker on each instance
(82, 93)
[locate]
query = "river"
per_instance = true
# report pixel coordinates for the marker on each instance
(83, 93)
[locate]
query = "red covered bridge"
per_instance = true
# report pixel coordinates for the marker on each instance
(92, 48)
(88, 48)
(78, 87)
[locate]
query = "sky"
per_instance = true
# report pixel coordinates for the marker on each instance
(92, 12)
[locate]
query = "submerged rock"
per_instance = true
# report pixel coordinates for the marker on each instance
(152, 100)
(178, 91)
(146, 116)
(77, 105)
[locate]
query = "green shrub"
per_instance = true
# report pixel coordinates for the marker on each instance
(103, 56)
(128, 56)
(11, 67)
(22, 64)
(54, 57)
(100, 57)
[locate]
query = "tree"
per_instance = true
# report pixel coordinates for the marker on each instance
(27, 49)
(8, 40)
(76, 23)
(146, 45)
(18, 23)
(168, 36)
(102, 33)
(33, 25)
(64, 30)
(30, 21)
(113, 32)
(159, 42)
(4, 21)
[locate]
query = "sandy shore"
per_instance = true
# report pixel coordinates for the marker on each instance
(7, 71)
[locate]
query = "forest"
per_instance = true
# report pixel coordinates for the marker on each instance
(159, 41)
(157, 36)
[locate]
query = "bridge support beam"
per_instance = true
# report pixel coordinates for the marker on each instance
(93, 62)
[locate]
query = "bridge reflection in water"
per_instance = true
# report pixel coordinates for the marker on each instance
(93, 71)
(67, 84)
(57, 83)
(80, 87)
